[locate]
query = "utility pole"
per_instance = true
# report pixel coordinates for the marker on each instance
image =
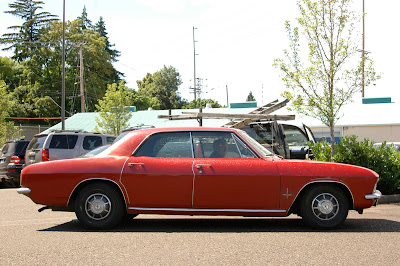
(82, 88)
(363, 52)
(63, 73)
(227, 98)
(194, 66)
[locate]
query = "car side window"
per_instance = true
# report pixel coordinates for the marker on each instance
(110, 140)
(167, 145)
(215, 145)
(63, 141)
(91, 142)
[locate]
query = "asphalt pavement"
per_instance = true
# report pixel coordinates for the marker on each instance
(56, 238)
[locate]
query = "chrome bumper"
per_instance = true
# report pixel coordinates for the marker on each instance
(374, 196)
(24, 190)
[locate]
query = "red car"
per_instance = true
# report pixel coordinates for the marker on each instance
(197, 171)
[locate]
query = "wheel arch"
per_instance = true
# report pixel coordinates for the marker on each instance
(295, 207)
(87, 182)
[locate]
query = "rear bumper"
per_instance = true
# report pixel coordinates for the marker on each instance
(374, 196)
(24, 191)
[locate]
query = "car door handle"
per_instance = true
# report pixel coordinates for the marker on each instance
(133, 164)
(198, 166)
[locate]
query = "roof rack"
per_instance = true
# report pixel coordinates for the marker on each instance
(238, 120)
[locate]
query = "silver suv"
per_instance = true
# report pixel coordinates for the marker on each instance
(60, 145)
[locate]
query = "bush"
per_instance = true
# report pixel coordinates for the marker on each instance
(383, 160)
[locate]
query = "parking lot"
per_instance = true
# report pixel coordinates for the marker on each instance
(56, 238)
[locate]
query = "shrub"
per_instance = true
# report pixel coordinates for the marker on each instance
(383, 160)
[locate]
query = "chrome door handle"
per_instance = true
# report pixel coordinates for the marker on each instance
(133, 164)
(198, 166)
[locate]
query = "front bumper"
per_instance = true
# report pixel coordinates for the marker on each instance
(374, 196)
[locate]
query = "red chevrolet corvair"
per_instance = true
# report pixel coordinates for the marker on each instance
(197, 171)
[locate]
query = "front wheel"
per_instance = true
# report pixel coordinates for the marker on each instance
(324, 207)
(99, 206)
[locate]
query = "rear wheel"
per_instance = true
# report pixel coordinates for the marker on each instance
(99, 206)
(324, 207)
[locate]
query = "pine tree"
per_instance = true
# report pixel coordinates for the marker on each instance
(86, 23)
(100, 27)
(250, 97)
(24, 39)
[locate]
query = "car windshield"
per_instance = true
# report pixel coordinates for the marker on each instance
(264, 152)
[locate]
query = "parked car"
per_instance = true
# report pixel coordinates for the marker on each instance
(169, 171)
(96, 151)
(59, 145)
(287, 140)
(11, 161)
(395, 145)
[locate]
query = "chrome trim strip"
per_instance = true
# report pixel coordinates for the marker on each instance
(375, 195)
(24, 190)
(205, 210)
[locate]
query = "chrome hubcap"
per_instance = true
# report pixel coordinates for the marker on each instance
(325, 206)
(98, 206)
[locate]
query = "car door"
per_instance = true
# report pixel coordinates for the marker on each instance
(239, 180)
(160, 173)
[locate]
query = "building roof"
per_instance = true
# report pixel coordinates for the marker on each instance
(355, 114)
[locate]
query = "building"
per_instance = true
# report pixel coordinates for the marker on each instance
(376, 121)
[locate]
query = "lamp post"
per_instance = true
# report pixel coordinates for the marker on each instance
(63, 73)
(363, 52)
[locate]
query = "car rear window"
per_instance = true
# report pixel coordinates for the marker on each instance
(91, 142)
(21, 147)
(63, 141)
(37, 142)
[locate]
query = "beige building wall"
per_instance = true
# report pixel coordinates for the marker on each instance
(374, 133)
(379, 133)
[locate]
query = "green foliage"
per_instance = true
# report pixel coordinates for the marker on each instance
(25, 38)
(250, 97)
(10, 72)
(164, 85)
(7, 129)
(36, 80)
(113, 109)
(202, 103)
(321, 84)
(383, 160)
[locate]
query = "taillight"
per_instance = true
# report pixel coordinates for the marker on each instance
(45, 155)
(14, 159)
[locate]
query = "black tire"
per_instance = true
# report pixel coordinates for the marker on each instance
(324, 207)
(99, 206)
(130, 216)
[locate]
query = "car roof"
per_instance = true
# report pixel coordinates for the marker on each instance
(167, 129)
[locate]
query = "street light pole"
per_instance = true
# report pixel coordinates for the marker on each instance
(63, 73)
(363, 52)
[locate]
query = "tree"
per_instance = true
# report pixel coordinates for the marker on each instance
(85, 22)
(10, 72)
(113, 109)
(7, 129)
(202, 103)
(320, 86)
(100, 27)
(164, 85)
(24, 39)
(250, 97)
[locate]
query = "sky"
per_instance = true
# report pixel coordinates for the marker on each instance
(236, 41)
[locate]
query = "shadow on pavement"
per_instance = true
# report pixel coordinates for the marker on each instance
(227, 225)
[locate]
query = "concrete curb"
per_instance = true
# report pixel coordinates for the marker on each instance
(386, 199)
